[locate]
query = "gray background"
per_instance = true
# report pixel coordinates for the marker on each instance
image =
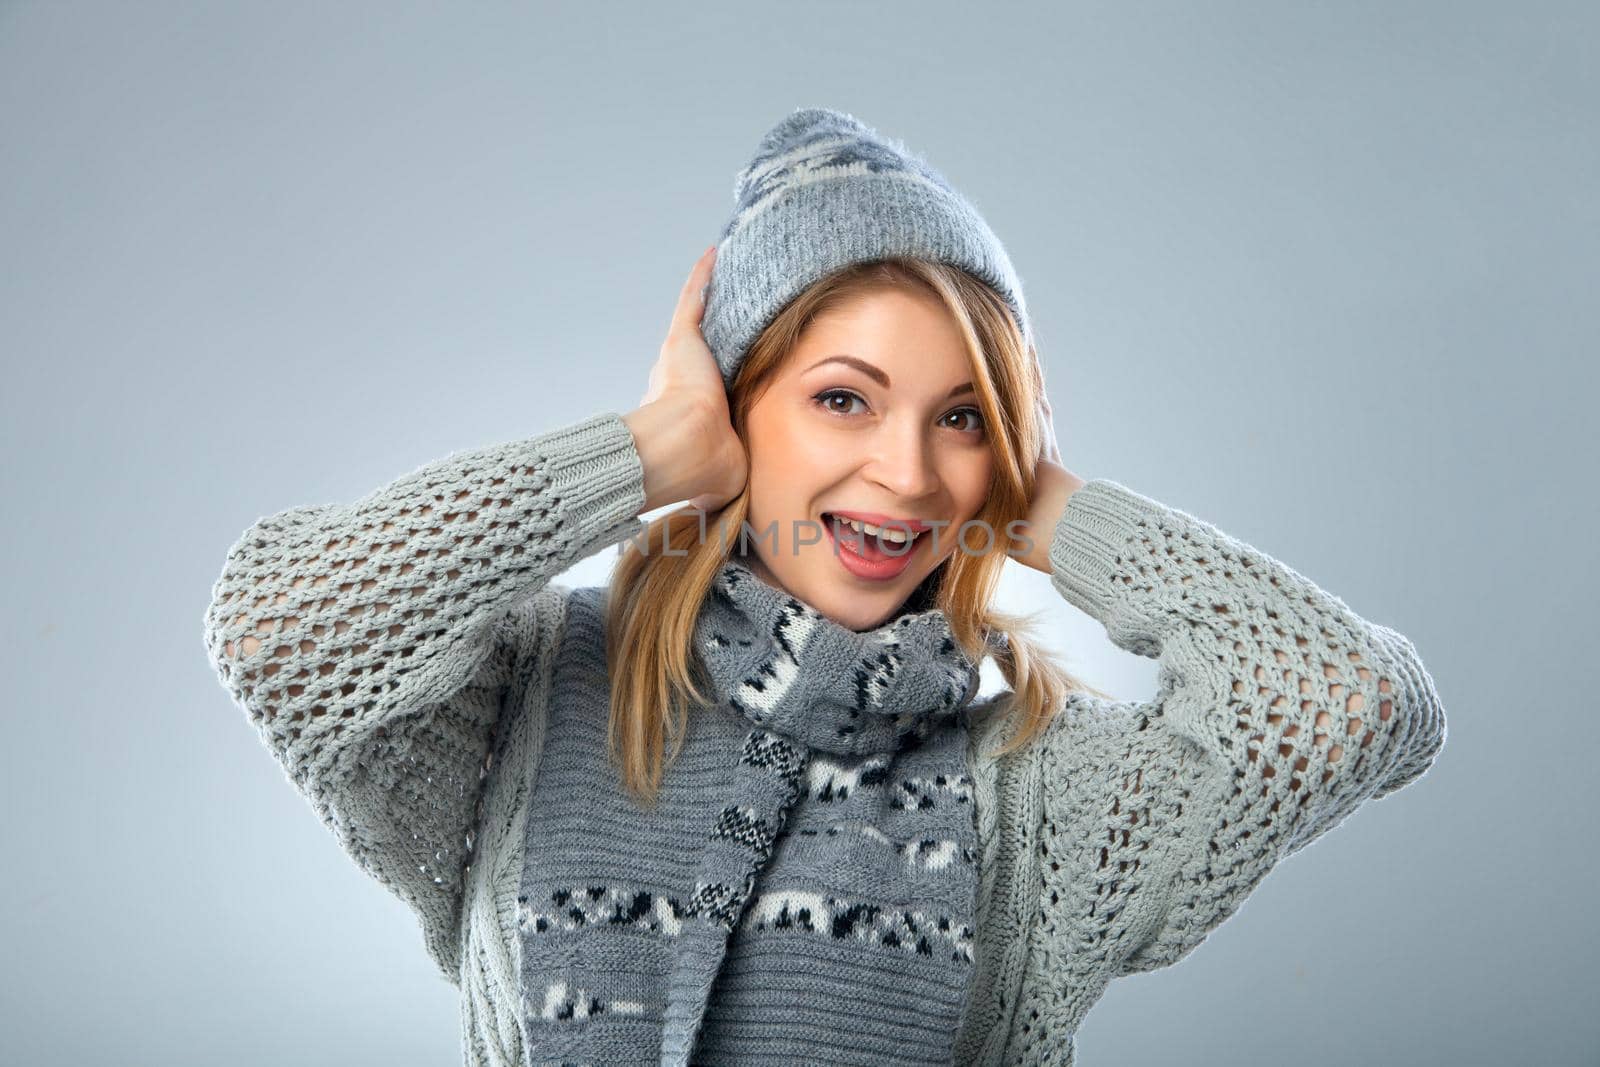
(1314, 273)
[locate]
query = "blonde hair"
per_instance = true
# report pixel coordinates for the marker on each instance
(655, 594)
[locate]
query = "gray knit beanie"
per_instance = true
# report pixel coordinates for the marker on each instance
(824, 191)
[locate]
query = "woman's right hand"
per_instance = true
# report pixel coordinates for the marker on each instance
(682, 427)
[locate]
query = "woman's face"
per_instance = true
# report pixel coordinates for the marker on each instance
(873, 414)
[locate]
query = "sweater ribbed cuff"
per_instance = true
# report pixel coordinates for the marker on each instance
(1099, 519)
(596, 479)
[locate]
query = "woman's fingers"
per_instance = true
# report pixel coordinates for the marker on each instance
(684, 349)
(1048, 448)
(692, 300)
(1052, 449)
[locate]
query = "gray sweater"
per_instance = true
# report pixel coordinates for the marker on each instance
(395, 655)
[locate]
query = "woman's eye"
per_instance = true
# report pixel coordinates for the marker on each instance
(828, 397)
(974, 414)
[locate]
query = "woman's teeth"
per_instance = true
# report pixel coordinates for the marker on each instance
(899, 537)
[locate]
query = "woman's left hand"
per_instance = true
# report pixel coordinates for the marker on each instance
(1048, 448)
(1053, 484)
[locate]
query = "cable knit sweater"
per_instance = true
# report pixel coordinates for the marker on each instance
(395, 655)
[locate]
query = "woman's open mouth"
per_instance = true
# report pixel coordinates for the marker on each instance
(875, 556)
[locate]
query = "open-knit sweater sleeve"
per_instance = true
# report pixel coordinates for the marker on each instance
(372, 644)
(1279, 711)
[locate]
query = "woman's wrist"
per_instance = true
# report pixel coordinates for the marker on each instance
(668, 438)
(1054, 485)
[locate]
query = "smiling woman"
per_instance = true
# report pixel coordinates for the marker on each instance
(871, 435)
(894, 390)
(845, 856)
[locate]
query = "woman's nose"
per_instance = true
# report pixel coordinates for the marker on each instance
(903, 462)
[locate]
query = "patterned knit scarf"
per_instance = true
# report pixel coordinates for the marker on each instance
(803, 890)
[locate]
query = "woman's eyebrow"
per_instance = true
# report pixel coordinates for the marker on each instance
(878, 375)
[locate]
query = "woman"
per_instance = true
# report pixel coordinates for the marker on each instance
(743, 804)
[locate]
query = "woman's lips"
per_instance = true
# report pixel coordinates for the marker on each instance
(863, 556)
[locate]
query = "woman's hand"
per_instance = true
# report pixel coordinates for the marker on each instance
(682, 427)
(1048, 448)
(1053, 482)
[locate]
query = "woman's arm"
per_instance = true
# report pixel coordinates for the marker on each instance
(372, 643)
(1279, 711)
(376, 645)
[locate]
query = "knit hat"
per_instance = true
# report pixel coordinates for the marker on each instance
(824, 191)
